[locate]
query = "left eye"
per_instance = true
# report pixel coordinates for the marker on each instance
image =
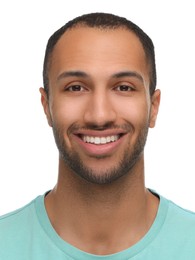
(124, 88)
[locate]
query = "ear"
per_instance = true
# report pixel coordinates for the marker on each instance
(155, 102)
(45, 104)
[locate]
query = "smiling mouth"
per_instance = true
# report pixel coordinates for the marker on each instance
(100, 140)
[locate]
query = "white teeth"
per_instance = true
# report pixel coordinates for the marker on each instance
(97, 140)
(108, 139)
(100, 140)
(112, 138)
(103, 140)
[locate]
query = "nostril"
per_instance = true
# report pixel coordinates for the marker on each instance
(99, 112)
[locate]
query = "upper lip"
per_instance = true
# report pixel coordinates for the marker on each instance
(100, 133)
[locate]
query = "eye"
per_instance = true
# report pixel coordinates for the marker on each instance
(74, 88)
(124, 88)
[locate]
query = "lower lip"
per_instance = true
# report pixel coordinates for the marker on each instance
(99, 149)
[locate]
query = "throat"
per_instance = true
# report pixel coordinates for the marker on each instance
(101, 219)
(103, 228)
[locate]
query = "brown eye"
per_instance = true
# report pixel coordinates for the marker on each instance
(124, 88)
(75, 88)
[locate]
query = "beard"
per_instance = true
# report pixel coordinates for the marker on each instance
(125, 164)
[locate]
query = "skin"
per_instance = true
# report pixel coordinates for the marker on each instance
(103, 214)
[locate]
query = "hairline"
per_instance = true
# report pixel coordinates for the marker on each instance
(84, 24)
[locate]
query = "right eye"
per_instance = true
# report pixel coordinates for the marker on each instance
(74, 88)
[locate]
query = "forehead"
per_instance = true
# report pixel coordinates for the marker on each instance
(87, 48)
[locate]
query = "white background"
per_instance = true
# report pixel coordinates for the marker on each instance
(28, 156)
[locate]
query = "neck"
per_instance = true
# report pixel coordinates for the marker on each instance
(78, 209)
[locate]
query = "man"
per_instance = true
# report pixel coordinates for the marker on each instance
(100, 98)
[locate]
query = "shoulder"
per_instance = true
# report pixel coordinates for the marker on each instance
(180, 214)
(174, 213)
(17, 231)
(17, 221)
(15, 213)
(179, 223)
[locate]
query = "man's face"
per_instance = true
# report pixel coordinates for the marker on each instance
(99, 104)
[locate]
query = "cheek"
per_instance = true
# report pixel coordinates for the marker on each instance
(135, 111)
(65, 112)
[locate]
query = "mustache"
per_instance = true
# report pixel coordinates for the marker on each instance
(108, 126)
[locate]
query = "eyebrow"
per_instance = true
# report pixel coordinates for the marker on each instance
(76, 73)
(82, 74)
(128, 74)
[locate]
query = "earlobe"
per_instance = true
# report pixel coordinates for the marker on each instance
(155, 102)
(45, 104)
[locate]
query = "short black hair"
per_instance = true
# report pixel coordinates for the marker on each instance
(102, 21)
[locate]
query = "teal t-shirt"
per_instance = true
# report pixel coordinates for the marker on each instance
(27, 234)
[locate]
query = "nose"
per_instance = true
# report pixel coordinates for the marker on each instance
(100, 110)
